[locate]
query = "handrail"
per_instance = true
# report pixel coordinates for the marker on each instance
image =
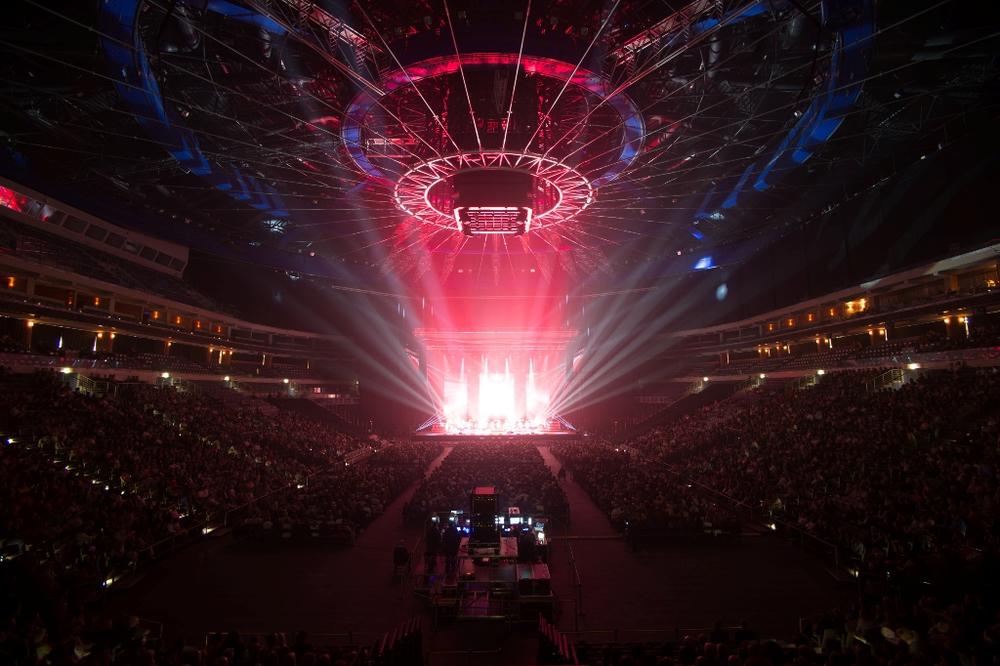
(618, 634)
(681, 631)
(577, 588)
(751, 512)
(558, 640)
(880, 381)
(288, 486)
(156, 623)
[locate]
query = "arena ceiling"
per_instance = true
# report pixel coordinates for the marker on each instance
(562, 138)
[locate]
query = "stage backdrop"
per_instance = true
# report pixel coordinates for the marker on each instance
(494, 379)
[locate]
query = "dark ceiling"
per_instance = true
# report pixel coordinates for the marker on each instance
(278, 131)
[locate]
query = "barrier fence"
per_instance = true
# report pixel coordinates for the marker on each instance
(752, 513)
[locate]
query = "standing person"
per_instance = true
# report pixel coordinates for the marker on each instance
(401, 557)
(452, 542)
(432, 544)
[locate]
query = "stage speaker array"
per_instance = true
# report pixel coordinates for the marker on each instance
(482, 517)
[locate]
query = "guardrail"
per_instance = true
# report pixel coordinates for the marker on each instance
(893, 377)
(554, 646)
(760, 515)
(344, 639)
(577, 588)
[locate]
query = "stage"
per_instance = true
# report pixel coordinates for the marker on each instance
(453, 438)
(494, 384)
(552, 430)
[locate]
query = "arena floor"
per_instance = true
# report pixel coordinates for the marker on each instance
(765, 580)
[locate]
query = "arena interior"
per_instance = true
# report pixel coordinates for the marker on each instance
(499, 332)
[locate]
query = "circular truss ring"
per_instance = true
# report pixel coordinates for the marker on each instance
(574, 191)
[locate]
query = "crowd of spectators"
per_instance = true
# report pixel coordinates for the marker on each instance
(516, 469)
(888, 631)
(902, 473)
(833, 639)
(59, 358)
(849, 353)
(90, 487)
(903, 483)
(102, 639)
(645, 502)
(336, 503)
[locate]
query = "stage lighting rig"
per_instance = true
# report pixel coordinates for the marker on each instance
(493, 201)
(493, 143)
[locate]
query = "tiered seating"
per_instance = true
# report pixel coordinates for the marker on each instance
(334, 504)
(647, 503)
(285, 371)
(37, 245)
(102, 360)
(146, 361)
(90, 488)
(828, 358)
(847, 354)
(902, 483)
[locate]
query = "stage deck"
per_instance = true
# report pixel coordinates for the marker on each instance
(453, 438)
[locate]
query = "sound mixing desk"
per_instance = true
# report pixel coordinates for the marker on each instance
(499, 575)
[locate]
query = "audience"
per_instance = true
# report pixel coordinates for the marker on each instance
(983, 335)
(646, 502)
(337, 503)
(515, 469)
(93, 486)
(903, 482)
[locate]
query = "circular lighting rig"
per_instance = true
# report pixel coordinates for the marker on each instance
(427, 191)
(557, 124)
